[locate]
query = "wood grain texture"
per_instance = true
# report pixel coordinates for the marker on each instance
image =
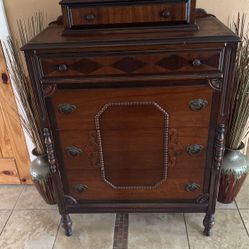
(118, 64)
(132, 140)
(13, 125)
(8, 171)
(80, 15)
(174, 100)
(80, 86)
(210, 31)
(5, 143)
(147, 13)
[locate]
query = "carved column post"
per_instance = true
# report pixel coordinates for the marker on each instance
(65, 219)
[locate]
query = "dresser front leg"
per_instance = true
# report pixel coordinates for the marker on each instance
(208, 223)
(67, 224)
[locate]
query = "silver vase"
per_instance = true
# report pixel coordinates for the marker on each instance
(42, 179)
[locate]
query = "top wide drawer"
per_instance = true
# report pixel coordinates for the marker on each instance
(119, 64)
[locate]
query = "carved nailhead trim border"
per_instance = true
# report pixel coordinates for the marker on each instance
(166, 142)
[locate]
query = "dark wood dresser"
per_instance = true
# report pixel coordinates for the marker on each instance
(134, 114)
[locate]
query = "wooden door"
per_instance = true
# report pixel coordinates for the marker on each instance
(14, 158)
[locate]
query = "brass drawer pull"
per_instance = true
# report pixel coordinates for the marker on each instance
(63, 68)
(165, 14)
(197, 104)
(73, 151)
(90, 17)
(196, 63)
(194, 149)
(80, 188)
(66, 108)
(192, 186)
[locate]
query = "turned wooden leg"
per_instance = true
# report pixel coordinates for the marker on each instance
(67, 224)
(208, 223)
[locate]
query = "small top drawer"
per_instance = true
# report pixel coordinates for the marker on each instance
(126, 13)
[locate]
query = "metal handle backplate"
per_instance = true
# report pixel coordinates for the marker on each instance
(197, 104)
(80, 188)
(73, 151)
(194, 149)
(192, 186)
(66, 108)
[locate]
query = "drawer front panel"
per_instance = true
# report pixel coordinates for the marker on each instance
(123, 164)
(178, 102)
(127, 144)
(189, 62)
(132, 14)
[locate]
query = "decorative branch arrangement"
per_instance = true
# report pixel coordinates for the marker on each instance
(238, 127)
(21, 82)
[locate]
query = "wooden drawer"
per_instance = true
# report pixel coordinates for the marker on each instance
(146, 63)
(127, 144)
(120, 13)
(134, 164)
(149, 13)
(77, 109)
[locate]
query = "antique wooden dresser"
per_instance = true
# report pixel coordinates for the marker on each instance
(133, 99)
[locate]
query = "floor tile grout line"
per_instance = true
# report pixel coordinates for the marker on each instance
(241, 217)
(186, 229)
(58, 229)
(120, 238)
(12, 210)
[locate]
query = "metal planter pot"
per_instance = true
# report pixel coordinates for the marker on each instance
(233, 174)
(42, 179)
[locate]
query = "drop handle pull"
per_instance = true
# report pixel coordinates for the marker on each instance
(80, 188)
(194, 149)
(66, 108)
(192, 186)
(197, 104)
(74, 151)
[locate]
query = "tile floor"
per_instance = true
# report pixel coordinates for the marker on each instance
(26, 222)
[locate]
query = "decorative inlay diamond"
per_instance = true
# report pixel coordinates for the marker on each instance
(85, 66)
(173, 62)
(128, 64)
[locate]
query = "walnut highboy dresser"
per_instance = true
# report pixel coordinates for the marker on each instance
(134, 99)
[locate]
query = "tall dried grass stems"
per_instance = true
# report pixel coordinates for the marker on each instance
(238, 127)
(21, 82)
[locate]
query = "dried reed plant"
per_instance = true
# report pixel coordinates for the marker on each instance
(22, 84)
(238, 127)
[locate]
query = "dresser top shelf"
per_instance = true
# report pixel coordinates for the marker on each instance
(210, 30)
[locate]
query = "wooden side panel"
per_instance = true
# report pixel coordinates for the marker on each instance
(12, 124)
(8, 171)
(5, 144)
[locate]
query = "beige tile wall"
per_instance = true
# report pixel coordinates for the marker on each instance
(16, 9)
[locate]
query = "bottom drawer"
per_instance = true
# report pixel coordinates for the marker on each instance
(134, 171)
